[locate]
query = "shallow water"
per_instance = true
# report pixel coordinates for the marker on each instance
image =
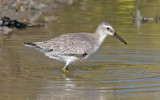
(116, 72)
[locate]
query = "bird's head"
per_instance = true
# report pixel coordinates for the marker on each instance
(107, 29)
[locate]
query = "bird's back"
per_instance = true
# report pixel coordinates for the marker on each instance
(69, 44)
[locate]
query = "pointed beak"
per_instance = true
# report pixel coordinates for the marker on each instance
(118, 37)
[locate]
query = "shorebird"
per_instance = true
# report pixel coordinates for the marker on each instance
(72, 47)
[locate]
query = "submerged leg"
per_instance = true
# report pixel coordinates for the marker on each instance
(65, 68)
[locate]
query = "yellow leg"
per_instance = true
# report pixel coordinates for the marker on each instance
(65, 70)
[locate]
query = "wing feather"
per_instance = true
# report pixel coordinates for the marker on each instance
(69, 44)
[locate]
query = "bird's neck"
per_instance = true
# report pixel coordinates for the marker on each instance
(99, 34)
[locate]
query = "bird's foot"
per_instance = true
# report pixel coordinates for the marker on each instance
(65, 69)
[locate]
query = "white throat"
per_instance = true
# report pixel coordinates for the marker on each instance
(102, 37)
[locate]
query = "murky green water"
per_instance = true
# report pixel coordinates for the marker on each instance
(116, 72)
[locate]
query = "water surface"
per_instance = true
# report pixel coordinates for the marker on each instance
(116, 72)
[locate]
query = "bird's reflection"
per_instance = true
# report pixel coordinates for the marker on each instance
(70, 88)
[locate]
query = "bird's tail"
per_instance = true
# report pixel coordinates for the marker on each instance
(30, 44)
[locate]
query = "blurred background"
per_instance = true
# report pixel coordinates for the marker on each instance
(116, 72)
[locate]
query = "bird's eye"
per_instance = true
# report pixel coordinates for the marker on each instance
(108, 28)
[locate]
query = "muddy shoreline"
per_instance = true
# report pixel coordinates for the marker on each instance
(29, 10)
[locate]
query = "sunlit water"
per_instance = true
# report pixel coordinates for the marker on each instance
(116, 72)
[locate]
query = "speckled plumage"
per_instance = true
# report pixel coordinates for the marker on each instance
(72, 43)
(72, 47)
